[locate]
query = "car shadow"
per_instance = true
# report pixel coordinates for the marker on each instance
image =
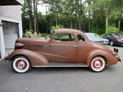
(59, 69)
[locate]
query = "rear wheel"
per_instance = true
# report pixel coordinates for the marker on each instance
(21, 64)
(97, 64)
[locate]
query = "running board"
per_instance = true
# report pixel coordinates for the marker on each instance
(54, 64)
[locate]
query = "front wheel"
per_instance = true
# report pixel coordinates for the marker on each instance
(97, 64)
(21, 64)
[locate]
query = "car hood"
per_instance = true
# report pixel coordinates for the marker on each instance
(33, 41)
(97, 39)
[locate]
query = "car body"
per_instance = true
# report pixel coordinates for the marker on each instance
(114, 38)
(96, 38)
(65, 48)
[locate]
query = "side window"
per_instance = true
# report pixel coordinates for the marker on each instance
(64, 37)
(80, 38)
(107, 35)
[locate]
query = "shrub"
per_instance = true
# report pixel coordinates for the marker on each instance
(112, 28)
(56, 27)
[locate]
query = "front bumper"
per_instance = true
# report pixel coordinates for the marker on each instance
(7, 58)
(118, 59)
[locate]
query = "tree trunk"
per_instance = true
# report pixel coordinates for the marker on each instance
(106, 14)
(37, 28)
(56, 15)
(119, 21)
(75, 25)
(71, 24)
(34, 17)
(106, 23)
(30, 15)
(89, 22)
(56, 18)
(79, 21)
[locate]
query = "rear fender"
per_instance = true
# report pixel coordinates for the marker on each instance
(110, 58)
(35, 58)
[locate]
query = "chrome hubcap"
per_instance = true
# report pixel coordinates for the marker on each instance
(21, 64)
(111, 43)
(97, 64)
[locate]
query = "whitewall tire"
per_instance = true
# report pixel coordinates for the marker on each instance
(97, 64)
(21, 64)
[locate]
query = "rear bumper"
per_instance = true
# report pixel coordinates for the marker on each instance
(119, 43)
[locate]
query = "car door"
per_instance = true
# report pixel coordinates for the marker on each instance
(63, 48)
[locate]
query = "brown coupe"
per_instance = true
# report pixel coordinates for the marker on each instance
(66, 48)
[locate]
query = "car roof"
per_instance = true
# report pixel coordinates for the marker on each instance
(68, 30)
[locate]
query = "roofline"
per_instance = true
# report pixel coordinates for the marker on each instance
(11, 2)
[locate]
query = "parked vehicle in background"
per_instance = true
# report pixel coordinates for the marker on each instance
(96, 38)
(114, 38)
(65, 48)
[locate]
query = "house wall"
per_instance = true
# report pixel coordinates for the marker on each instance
(2, 47)
(12, 14)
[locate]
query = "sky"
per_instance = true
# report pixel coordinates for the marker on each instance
(42, 7)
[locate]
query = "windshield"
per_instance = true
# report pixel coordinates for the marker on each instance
(91, 35)
(52, 34)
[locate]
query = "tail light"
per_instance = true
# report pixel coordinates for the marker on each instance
(118, 38)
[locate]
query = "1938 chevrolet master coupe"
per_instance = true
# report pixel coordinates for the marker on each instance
(65, 48)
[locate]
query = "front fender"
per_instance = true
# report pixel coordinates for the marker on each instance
(35, 58)
(110, 58)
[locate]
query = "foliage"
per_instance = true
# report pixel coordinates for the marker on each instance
(77, 15)
(56, 27)
(112, 29)
(42, 35)
(29, 32)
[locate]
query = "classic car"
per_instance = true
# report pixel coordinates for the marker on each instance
(65, 48)
(96, 38)
(114, 38)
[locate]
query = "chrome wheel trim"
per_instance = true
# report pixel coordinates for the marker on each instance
(111, 43)
(19, 65)
(97, 65)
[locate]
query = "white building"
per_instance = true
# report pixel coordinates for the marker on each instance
(10, 24)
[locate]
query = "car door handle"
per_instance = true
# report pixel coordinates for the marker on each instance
(75, 46)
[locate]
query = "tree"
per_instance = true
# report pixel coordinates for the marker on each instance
(91, 16)
(30, 13)
(106, 4)
(117, 11)
(89, 21)
(55, 7)
(27, 11)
